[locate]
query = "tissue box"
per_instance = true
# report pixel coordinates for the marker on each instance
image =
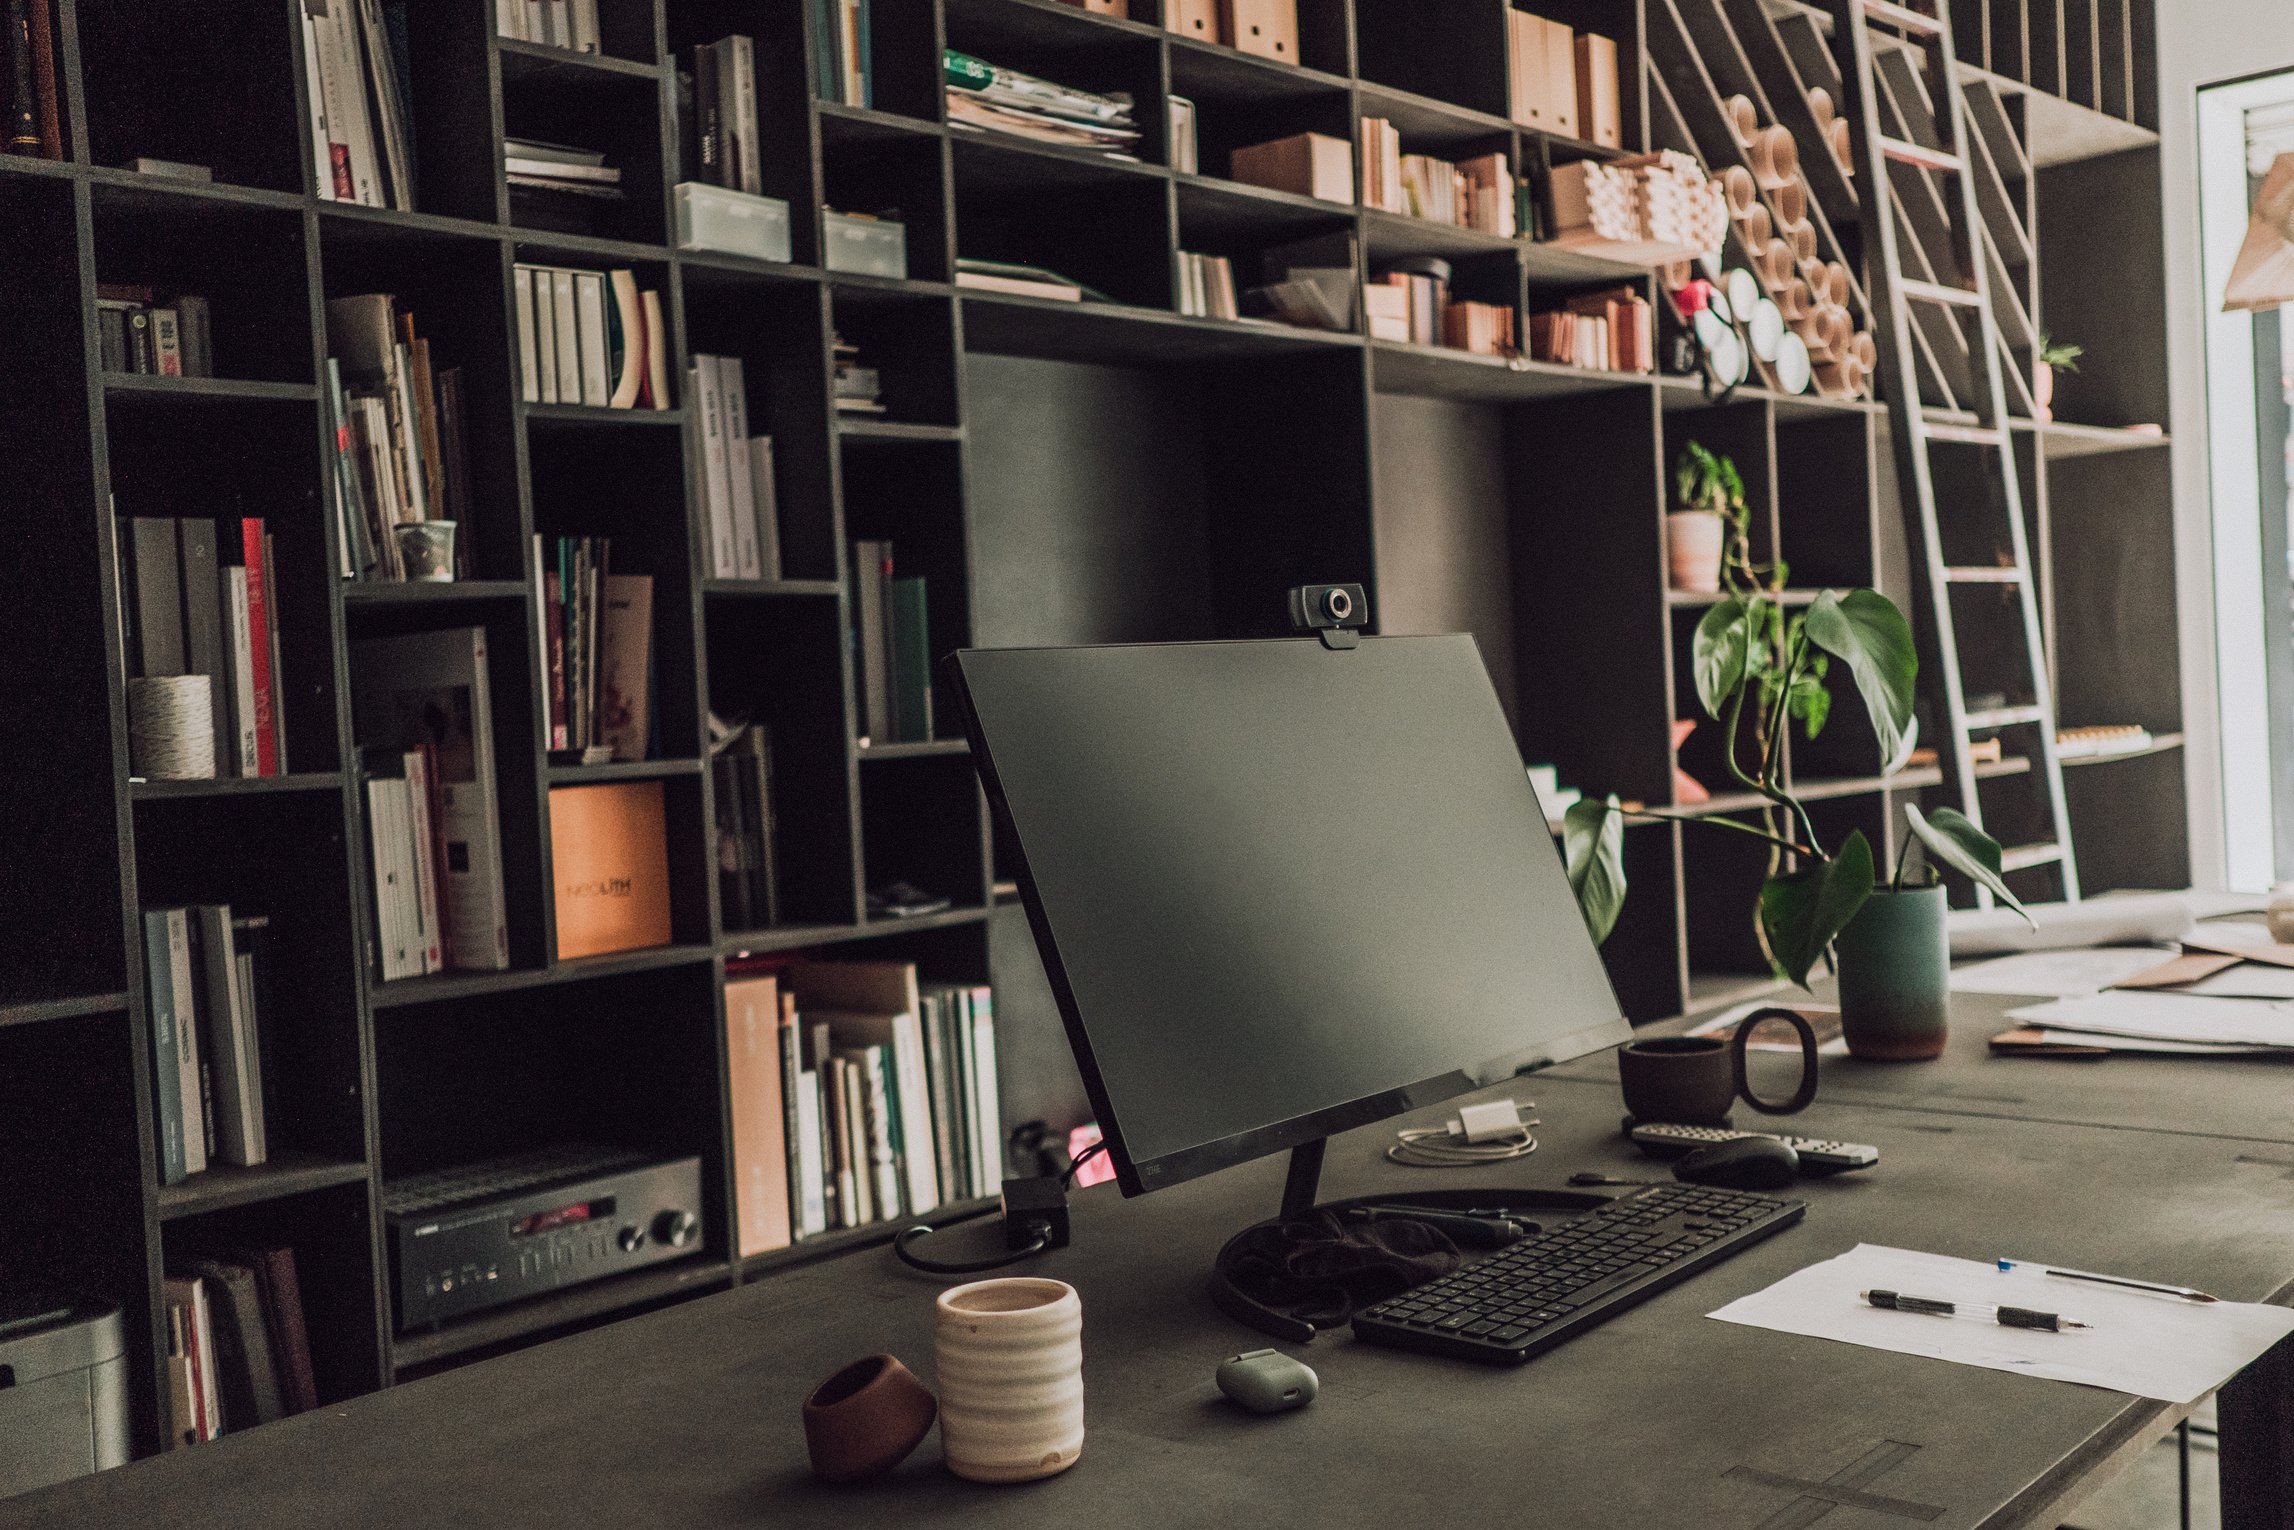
(731, 222)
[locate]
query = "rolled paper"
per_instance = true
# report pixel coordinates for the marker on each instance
(1793, 300)
(1791, 201)
(1774, 157)
(1755, 225)
(1832, 379)
(1776, 264)
(1743, 119)
(1742, 190)
(1836, 283)
(1803, 238)
(1843, 150)
(1866, 352)
(1820, 106)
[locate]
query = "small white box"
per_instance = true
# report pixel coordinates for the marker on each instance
(731, 222)
(864, 246)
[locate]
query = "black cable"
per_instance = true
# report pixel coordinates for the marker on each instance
(903, 1245)
(1082, 1158)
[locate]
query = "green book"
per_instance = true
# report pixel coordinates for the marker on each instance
(911, 663)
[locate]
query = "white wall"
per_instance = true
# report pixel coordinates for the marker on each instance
(2201, 42)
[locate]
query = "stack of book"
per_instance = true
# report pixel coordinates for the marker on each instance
(424, 720)
(590, 337)
(1609, 331)
(859, 1095)
(893, 640)
(748, 862)
(552, 23)
(400, 457)
(143, 333)
(1478, 193)
(362, 122)
(842, 69)
(28, 87)
(736, 474)
(993, 98)
(200, 597)
(595, 631)
(1021, 281)
(562, 169)
(1483, 329)
(857, 389)
(1207, 287)
(238, 1350)
(723, 139)
(208, 976)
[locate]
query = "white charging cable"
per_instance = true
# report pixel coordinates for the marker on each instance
(1491, 1132)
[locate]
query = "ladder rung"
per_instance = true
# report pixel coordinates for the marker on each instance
(1904, 18)
(1937, 292)
(1973, 435)
(2024, 857)
(1921, 155)
(1983, 575)
(2004, 717)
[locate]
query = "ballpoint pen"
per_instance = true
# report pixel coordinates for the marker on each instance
(2006, 1317)
(2185, 1292)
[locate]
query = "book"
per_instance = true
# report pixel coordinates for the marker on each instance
(166, 1043)
(759, 1126)
(246, 1374)
(871, 576)
(182, 1404)
(625, 665)
(610, 867)
(627, 318)
(732, 386)
(426, 854)
(432, 688)
(764, 495)
(198, 1413)
(910, 661)
(875, 1004)
(656, 392)
(597, 387)
(988, 1158)
(233, 1063)
(262, 647)
(387, 812)
(812, 1190)
(183, 1000)
(156, 597)
(204, 630)
(705, 385)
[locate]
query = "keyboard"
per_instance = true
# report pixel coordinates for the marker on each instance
(1529, 1296)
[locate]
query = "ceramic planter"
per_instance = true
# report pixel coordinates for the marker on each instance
(1010, 1356)
(864, 1420)
(1693, 541)
(1895, 976)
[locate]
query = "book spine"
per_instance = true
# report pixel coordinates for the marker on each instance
(290, 1338)
(708, 118)
(421, 842)
(167, 342)
(23, 116)
(936, 1075)
(565, 318)
(238, 1093)
(920, 1158)
(740, 483)
(46, 95)
(260, 643)
(801, 1197)
(158, 612)
(325, 178)
(203, 628)
(748, 152)
(911, 662)
(990, 1111)
(868, 578)
(765, 495)
(811, 1180)
(182, 984)
(159, 1002)
(705, 385)
(244, 754)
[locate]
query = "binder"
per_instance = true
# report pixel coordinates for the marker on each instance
(1268, 28)
(1198, 19)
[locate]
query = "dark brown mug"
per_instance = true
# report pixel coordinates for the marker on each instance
(1693, 1080)
(864, 1420)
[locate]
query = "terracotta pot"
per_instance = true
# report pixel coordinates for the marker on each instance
(2042, 390)
(1010, 1357)
(1895, 975)
(1820, 106)
(863, 1421)
(1756, 227)
(1843, 148)
(1742, 191)
(1693, 542)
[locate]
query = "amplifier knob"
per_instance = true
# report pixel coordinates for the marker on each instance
(631, 1239)
(676, 1228)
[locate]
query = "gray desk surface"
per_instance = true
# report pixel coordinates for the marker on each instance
(688, 1417)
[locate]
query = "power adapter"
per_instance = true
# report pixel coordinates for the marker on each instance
(1035, 1213)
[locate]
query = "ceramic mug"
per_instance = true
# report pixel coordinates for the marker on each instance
(864, 1420)
(1010, 1360)
(1693, 1080)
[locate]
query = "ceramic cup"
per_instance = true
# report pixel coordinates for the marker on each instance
(1694, 1080)
(171, 727)
(864, 1420)
(1010, 1357)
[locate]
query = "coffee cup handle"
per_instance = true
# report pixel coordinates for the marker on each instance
(1803, 1096)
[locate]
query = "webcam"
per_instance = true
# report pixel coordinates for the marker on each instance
(1323, 607)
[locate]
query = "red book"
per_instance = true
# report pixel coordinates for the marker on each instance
(259, 640)
(282, 1296)
(44, 81)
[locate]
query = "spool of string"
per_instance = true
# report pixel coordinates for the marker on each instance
(171, 727)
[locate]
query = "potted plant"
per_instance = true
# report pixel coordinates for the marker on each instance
(1757, 672)
(2050, 356)
(1708, 495)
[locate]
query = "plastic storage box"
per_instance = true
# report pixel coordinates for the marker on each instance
(63, 1391)
(865, 246)
(731, 222)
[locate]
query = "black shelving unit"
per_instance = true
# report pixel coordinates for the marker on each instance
(1057, 472)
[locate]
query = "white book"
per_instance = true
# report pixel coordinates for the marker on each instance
(812, 1203)
(589, 319)
(426, 868)
(390, 953)
(767, 500)
(243, 976)
(182, 1411)
(656, 349)
(876, 1116)
(241, 634)
(536, 28)
(546, 336)
(852, 1174)
(432, 687)
(188, 1294)
(748, 156)
(187, 1029)
(231, 1068)
(565, 314)
(510, 19)
(704, 380)
(585, 25)
(902, 1036)
(987, 1107)
(322, 151)
(408, 428)
(529, 375)
(734, 388)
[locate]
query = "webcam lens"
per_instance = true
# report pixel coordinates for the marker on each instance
(1339, 604)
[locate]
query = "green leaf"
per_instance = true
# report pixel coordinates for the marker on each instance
(1801, 913)
(1718, 654)
(1593, 848)
(1864, 628)
(1950, 838)
(1810, 701)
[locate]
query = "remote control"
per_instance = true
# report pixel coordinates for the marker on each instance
(1817, 1156)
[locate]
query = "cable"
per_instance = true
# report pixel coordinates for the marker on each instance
(905, 1243)
(1446, 1147)
(1082, 1158)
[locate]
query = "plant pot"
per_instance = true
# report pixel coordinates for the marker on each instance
(2042, 391)
(1010, 1361)
(1693, 542)
(1895, 976)
(864, 1420)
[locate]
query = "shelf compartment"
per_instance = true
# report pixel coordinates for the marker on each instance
(237, 786)
(247, 262)
(223, 1185)
(902, 179)
(1451, 54)
(1215, 214)
(1438, 372)
(923, 823)
(379, 594)
(189, 83)
(611, 109)
(779, 335)
(1114, 334)
(1070, 47)
(525, 64)
(69, 1007)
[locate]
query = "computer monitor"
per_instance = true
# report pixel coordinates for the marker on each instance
(1281, 889)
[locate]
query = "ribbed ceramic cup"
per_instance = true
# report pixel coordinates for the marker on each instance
(1010, 1358)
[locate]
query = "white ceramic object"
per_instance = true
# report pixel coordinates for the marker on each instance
(1693, 550)
(1731, 361)
(1793, 373)
(1010, 1360)
(1764, 327)
(1743, 293)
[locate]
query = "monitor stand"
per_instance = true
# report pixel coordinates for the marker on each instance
(1300, 1191)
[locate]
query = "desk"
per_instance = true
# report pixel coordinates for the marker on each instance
(1659, 1419)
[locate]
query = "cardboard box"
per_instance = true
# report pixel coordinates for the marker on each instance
(1268, 28)
(609, 853)
(1305, 164)
(1103, 7)
(1525, 67)
(1198, 19)
(1598, 117)
(1560, 94)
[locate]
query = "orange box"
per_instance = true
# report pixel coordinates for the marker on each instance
(1560, 96)
(609, 850)
(1198, 19)
(1103, 7)
(1268, 28)
(1597, 112)
(1304, 164)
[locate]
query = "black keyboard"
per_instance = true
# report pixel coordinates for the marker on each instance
(1552, 1286)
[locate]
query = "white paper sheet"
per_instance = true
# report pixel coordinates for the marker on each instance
(2247, 980)
(2113, 918)
(2155, 1044)
(2167, 1016)
(2059, 974)
(2153, 1346)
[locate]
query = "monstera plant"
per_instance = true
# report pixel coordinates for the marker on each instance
(1759, 672)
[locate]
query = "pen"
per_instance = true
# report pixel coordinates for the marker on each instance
(2185, 1292)
(2006, 1317)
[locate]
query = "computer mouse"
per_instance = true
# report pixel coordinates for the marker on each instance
(1748, 1163)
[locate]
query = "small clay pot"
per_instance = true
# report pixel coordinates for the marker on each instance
(864, 1420)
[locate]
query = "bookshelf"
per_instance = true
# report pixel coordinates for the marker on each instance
(1057, 472)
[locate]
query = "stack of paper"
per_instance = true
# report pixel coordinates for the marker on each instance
(2232, 991)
